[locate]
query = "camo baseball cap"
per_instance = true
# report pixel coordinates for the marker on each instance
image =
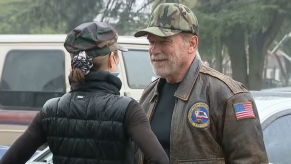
(169, 19)
(95, 38)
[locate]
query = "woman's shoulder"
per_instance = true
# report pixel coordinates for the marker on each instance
(133, 103)
(51, 103)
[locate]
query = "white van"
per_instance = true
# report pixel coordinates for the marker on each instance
(34, 68)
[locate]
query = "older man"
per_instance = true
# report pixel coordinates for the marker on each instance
(198, 114)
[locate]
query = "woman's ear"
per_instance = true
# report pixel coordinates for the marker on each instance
(110, 60)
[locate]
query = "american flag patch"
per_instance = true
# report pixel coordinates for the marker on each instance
(244, 110)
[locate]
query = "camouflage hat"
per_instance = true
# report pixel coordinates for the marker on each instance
(169, 19)
(95, 38)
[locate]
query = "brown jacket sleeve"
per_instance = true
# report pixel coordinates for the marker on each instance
(242, 138)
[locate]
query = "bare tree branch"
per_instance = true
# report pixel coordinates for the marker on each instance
(106, 10)
(145, 5)
(273, 29)
(283, 72)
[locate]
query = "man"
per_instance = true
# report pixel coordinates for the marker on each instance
(198, 114)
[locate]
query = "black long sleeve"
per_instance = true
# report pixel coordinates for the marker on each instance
(138, 128)
(26, 145)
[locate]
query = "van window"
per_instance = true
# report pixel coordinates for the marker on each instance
(138, 68)
(31, 77)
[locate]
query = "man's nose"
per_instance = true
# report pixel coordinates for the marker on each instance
(155, 49)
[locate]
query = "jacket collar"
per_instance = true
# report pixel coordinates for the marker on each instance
(185, 88)
(98, 81)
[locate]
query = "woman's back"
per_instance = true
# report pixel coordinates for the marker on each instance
(88, 122)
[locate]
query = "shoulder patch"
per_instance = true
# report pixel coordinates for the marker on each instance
(244, 110)
(198, 115)
(235, 86)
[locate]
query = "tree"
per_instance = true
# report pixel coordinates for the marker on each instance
(11, 15)
(63, 16)
(286, 48)
(8, 23)
(52, 16)
(274, 13)
(246, 22)
(220, 20)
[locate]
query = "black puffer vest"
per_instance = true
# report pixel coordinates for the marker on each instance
(85, 126)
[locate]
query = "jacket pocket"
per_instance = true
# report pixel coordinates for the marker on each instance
(203, 161)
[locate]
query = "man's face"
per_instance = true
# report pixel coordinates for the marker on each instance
(167, 54)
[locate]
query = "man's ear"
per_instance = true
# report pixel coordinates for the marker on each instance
(193, 44)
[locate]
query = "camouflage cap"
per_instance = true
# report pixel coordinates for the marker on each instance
(95, 38)
(169, 19)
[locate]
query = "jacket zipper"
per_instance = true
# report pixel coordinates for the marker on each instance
(174, 111)
(154, 107)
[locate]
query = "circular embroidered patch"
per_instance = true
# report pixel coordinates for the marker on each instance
(198, 115)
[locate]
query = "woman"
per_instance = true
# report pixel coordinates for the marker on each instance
(92, 123)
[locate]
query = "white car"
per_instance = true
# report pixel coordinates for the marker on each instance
(275, 115)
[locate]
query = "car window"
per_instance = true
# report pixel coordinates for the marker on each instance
(138, 68)
(30, 77)
(278, 141)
